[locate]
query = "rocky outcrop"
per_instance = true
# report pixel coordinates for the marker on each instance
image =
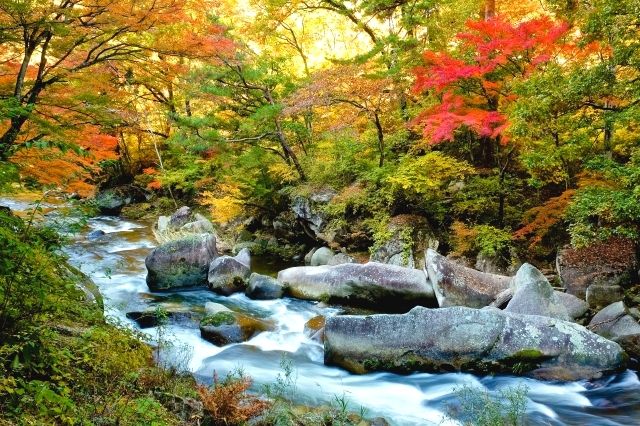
(409, 236)
(373, 284)
(263, 287)
(533, 295)
(614, 322)
(228, 275)
(181, 263)
(309, 211)
(182, 221)
(609, 263)
(457, 285)
(225, 328)
(464, 339)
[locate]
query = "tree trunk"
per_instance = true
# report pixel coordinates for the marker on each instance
(380, 139)
(488, 10)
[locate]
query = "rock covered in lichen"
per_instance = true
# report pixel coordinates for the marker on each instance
(457, 285)
(464, 339)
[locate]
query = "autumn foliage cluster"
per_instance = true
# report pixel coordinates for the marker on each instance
(516, 127)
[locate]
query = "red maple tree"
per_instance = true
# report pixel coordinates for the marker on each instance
(473, 87)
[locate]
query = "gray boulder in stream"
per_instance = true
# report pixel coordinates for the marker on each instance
(457, 285)
(228, 275)
(376, 284)
(464, 339)
(181, 263)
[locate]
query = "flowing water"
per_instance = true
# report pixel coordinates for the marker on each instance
(115, 262)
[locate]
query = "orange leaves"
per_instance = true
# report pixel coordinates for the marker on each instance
(541, 219)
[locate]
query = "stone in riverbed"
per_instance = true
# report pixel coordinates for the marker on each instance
(228, 275)
(263, 287)
(225, 328)
(373, 284)
(181, 263)
(457, 285)
(464, 339)
(575, 306)
(533, 295)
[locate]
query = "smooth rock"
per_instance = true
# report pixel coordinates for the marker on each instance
(225, 328)
(200, 226)
(378, 285)
(464, 339)
(211, 308)
(533, 295)
(322, 256)
(181, 263)
(309, 255)
(244, 257)
(263, 287)
(228, 275)
(600, 296)
(575, 306)
(457, 285)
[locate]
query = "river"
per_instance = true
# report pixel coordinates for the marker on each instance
(115, 262)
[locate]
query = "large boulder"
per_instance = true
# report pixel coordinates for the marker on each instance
(373, 284)
(263, 287)
(464, 339)
(608, 263)
(615, 323)
(457, 285)
(228, 275)
(181, 263)
(224, 328)
(533, 295)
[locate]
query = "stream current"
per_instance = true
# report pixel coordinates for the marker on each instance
(115, 262)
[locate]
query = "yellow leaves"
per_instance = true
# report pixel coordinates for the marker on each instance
(283, 172)
(224, 203)
(431, 172)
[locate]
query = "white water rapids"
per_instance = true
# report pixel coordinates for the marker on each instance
(115, 262)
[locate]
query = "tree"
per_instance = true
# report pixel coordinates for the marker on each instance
(47, 43)
(351, 85)
(474, 88)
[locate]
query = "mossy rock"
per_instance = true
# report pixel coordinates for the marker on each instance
(219, 319)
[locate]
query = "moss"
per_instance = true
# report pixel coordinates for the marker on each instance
(218, 319)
